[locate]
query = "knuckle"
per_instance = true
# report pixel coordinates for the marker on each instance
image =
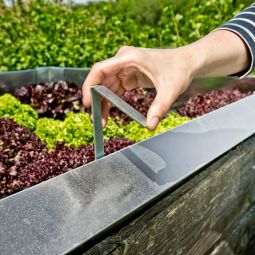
(97, 69)
(125, 49)
(96, 66)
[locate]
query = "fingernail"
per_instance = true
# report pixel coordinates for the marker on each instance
(103, 123)
(154, 122)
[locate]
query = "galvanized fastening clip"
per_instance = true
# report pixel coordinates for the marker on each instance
(96, 92)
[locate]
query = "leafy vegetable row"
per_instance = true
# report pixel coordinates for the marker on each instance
(26, 161)
(25, 140)
(56, 99)
(34, 149)
(76, 129)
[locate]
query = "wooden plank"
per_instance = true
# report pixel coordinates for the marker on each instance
(250, 249)
(238, 239)
(193, 218)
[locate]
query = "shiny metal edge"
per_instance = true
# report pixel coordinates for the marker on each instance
(97, 124)
(11, 80)
(120, 104)
(96, 92)
(58, 215)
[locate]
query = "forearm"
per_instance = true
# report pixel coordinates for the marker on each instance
(228, 50)
(219, 53)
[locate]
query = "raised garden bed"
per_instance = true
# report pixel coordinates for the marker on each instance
(45, 132)
(51, 132)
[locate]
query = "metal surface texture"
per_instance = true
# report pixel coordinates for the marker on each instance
(9, 81)
(96, 92)
(58, 215)
(97, 124)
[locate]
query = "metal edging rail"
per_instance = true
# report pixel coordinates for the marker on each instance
(96, 92)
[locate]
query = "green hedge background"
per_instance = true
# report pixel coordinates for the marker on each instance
(41, 33)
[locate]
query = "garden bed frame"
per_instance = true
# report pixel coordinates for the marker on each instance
(159, 196)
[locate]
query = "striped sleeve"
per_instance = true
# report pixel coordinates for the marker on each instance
(243, 24)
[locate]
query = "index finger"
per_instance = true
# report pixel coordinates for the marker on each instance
(98, 75)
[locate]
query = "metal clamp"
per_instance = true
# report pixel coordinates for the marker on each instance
(96, 92)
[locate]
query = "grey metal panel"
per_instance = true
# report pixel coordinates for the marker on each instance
(49, 74)
(76, 75)
(97, 124)
(9, 81)
(56, 216)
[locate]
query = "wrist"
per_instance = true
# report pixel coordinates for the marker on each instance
(194, 59)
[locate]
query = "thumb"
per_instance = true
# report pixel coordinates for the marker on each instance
(159, 108)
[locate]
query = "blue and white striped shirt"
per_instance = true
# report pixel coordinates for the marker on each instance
(243, 24)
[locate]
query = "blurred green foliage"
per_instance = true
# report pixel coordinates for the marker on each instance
(47, 33)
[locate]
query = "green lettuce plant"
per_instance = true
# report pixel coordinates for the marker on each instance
(23, 114)
(75, 130)
(137, 133)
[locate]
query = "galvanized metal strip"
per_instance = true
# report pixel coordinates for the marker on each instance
(58, 215)
(97, 124)
(96, 92)
(121, 104)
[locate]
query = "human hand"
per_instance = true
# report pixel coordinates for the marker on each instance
(168, 70)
